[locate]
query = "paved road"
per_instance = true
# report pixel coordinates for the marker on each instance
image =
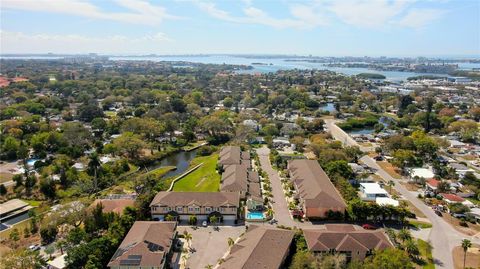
(443, 236)
(279, 206)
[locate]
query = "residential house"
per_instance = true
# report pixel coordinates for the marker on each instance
(260, 247)
(147, 245)
(372, 191)
(316, 192)
(234, 155)
(182, 205)
(113, 205)
(350, 240)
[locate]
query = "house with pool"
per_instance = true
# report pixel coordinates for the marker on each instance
(203, 205)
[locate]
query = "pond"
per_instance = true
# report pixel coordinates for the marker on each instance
(362, 131)
(330, 107)
(180, 159)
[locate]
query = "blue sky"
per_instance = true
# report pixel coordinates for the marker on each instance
(317, 27)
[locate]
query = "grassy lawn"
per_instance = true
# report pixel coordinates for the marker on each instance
(4, 177)
(419, 224)
(204, 179)
(390, 169)
(415, 210)
(32, 202)
(426, 254)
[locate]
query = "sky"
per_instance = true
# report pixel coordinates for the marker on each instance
(310, 27)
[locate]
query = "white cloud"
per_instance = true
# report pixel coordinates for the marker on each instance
(18, 42)
(417, 18)
(357, 13)
(303, 17)
(140, 12)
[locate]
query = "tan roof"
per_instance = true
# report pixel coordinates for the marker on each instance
(11, 205)
(345, 238)
(314, 186)
(234, 178)
(114, 205)
(197, 198)
(230, 155)
(253, 176)
(145, 244)
(234, 155)
(259, 248)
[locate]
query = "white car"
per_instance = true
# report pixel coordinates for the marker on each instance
(204, 223)
(34, 247)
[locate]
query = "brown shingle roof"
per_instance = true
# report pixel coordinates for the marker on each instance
(198, 198)
(230, 155)
(345, 239)
(314, 186)
(260, 247)
(114, 205)
(234, 178)
(145, 244)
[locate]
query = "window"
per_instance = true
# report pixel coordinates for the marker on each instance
(221, 209)
(197, 209)
(208, 209)
(179, 208)
(190, 209)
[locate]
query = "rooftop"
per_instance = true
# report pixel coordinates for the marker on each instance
(145, 244)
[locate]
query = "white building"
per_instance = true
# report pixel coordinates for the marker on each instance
(372, 191)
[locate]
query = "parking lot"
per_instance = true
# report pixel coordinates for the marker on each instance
(208, 245)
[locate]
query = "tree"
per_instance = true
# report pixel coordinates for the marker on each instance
(230, 242)
(187, 236)
(192, 220)
(390, 184)
(48, 234)
(228, 102)
(404, 235)
(93, 165)
(390, 258)
(22, 259)
(89, 112)
(340, 168)
(466, 244)
(129, 144)
(14, 235)
(3, 190)
(304, 260)
(47, 187)
(49, 250)
(411, 248)
(213, 220)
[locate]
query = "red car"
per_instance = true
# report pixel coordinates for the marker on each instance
(369, 227)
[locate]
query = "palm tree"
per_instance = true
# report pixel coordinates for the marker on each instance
(230, 242)
(466, 244)
(93, 166)
(188, 237)
(411, 248)
(270, 212)
(213, 220)
(404, 235)
(390, 184)
(208, 266)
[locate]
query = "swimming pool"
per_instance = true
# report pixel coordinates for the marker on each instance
(255, 215)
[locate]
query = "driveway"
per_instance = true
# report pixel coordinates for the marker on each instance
(442, 236)
(209, 245)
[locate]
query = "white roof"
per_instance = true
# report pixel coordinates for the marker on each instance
(386, 201)
(58, 262)
(422, 172)
(456, 143)
(373, 188)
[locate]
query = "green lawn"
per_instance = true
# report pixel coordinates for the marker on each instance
(204, 179)
(420, 224)
(426, 254)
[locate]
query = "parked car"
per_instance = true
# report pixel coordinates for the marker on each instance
(458, 215)
(369, 227)
(438, 212)
(34, 247)
(204, 223)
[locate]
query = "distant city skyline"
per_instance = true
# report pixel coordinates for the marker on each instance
(400, 28)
